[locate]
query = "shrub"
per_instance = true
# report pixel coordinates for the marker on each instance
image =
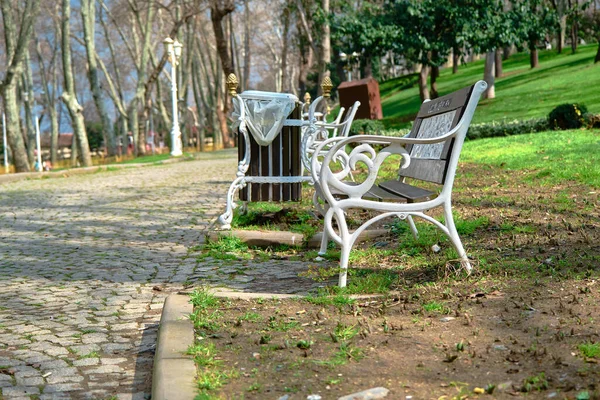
(366, 127)
(507, 128)
(592, 120)
(567, 116)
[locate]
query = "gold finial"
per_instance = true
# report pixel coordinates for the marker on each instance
(307, 98)
(326, 87)
(232, 84)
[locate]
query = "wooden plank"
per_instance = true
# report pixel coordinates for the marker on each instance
(445, 103)
(404, 190)
(426, 170)
(276, 166)
(296, 168)
(286, 160)
(241, 149)
(254, 169)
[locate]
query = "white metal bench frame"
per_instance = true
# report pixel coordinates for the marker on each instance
(329, 184)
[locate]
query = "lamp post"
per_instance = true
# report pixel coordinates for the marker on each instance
(173, 49)
(350, 58)
(4, 143)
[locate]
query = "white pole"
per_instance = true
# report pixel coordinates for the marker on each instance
(37, 143)
(175, 133)
(5, 143)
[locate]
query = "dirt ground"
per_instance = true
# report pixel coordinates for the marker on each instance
(525, 325)
(508, 339)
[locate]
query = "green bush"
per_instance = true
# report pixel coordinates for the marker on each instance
(592, 120)
(506, 128)
(567, 116)
(366, 127)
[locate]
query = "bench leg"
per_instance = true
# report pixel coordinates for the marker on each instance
(345, 256)
(413, 227)
(225, 219)
(455, 239)
(324, 242)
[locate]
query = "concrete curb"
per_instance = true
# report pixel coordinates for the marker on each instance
(174, 372)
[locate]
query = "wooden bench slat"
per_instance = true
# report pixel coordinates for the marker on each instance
(409, 192)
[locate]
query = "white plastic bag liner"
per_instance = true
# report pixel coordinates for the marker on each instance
(264, 113)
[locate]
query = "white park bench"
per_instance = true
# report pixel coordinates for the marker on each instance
(430, 153)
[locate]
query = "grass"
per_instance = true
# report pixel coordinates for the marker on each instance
(522, 93)
(550, 157)
(590, 350)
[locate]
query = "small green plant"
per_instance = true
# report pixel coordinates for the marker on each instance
(255, 387)
(202, 299)
(250, 317)
(349, 352)
(204, 354)
(93, 354)
(434, 306)
(212, 380)
(344, 333)
(590, 350)
(281, 326)
(537, 382)
(227, 247)
(304, 344)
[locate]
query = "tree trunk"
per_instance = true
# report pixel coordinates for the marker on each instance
(533, 56)
(217, 14)
(597, 59)
(27, 91)
(435, 73)
(306, 58)
(68, 96)
(423, 90)
(88, 17)
(574, 36)
(15, 42)
(488, 75)
(455, 60)
(498, 63)
(247, 51)
(13, 128)
(562, 33)
(325, 46)
(284, 48)
(368, 67)
(49, 99)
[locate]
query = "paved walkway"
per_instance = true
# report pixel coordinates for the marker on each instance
(85, 264)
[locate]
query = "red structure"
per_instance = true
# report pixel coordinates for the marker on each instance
(367, 92)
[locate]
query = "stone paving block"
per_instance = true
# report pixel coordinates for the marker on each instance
(86, 362)
(30, 381)
(63, 387)
(20, 391)
(53, 379)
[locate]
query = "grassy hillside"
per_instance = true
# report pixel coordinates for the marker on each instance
(521, 93)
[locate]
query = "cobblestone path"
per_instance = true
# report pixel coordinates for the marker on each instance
(85, 264)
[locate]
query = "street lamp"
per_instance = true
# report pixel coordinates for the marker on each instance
(173, 49)
(350, 58)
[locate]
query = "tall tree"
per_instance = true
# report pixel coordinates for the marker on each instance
(219, 9)
(68, 96)
(16, 37)
(561, 9)
(88, 17)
